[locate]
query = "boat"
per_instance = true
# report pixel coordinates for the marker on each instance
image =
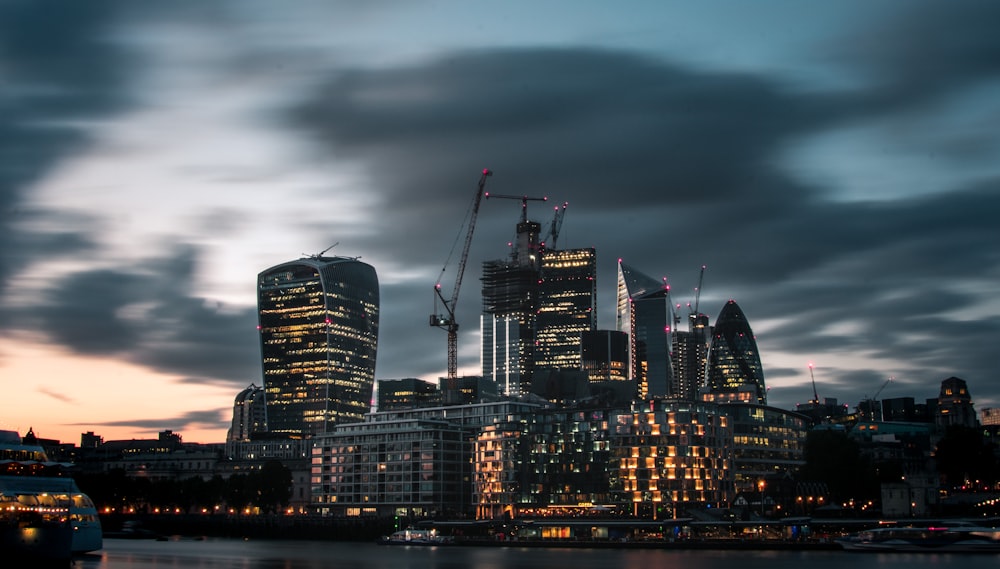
(958, 537)
(416, 537)
(43, 514)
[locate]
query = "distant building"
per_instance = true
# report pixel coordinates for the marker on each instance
(605, 355)
(645, 314)
(408, 393)
(248, 414)
(510, 307)
(734, 367)
(990, 416)
(567, 296)
(899, 409)
(768, 443)
(691, 356)
(319, 320)
(826, 411)
(415, 462)
(955, 405)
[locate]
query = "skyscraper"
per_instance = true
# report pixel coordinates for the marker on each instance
(691, 356)
(510, 305)
(248, 414)
(734, 370)
(645, 314)
(318, 321)
(567, 294)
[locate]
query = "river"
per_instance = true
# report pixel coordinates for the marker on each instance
(262, 554)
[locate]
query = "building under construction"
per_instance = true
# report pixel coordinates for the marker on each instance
(536, 305)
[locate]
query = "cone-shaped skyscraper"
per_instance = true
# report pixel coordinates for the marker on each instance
(734, 370)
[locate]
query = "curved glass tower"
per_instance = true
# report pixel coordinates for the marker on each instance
(734, 370)
(318, 321)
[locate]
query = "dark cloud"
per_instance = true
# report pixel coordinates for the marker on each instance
(925, 53)
(146, 315)
(663, 164)
(190, 420)
(60, 68)
(670, 168)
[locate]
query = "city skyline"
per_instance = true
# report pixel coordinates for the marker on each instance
(833, 166)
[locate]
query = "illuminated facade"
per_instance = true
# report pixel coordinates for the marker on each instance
(646, 315)
(734, 369)
(498, 464)
(767, 443)
(405, 462)
(671, 452)
(567, 300)
(318, 322)
(544, 463)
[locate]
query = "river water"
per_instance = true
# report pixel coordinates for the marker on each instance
(260, 554)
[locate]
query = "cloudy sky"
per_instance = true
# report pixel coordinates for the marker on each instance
(834, 165)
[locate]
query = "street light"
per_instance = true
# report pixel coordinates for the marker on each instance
(760, 486)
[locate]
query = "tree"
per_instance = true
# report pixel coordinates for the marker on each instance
(836, 460)
(274, 486)
(963, 456)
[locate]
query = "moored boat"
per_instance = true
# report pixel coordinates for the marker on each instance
(956, 538)
(416, 537)
(43, 514)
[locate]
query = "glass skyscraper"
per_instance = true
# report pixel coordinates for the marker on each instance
(734, 369)
(645, 314)
(567, 294)
(318, 322)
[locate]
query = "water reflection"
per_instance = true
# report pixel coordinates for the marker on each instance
(238, 554)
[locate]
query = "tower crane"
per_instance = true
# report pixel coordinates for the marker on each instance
(447, 320)
(555, 227)
(697, 291)
(815, 399)
(877, 393)
(524, 202)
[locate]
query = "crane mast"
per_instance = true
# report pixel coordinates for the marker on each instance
(447, 320)
(697, 291)
(815, 400)
(555, 227)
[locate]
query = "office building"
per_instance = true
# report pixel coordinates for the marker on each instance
(318, 322)
(734, 369)
(415, 462)
(248, 414)
(604, 355)
(407, 393)
(646, 315)
(691, 357)
(768, 443)
(510, 306)
(567, 299)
